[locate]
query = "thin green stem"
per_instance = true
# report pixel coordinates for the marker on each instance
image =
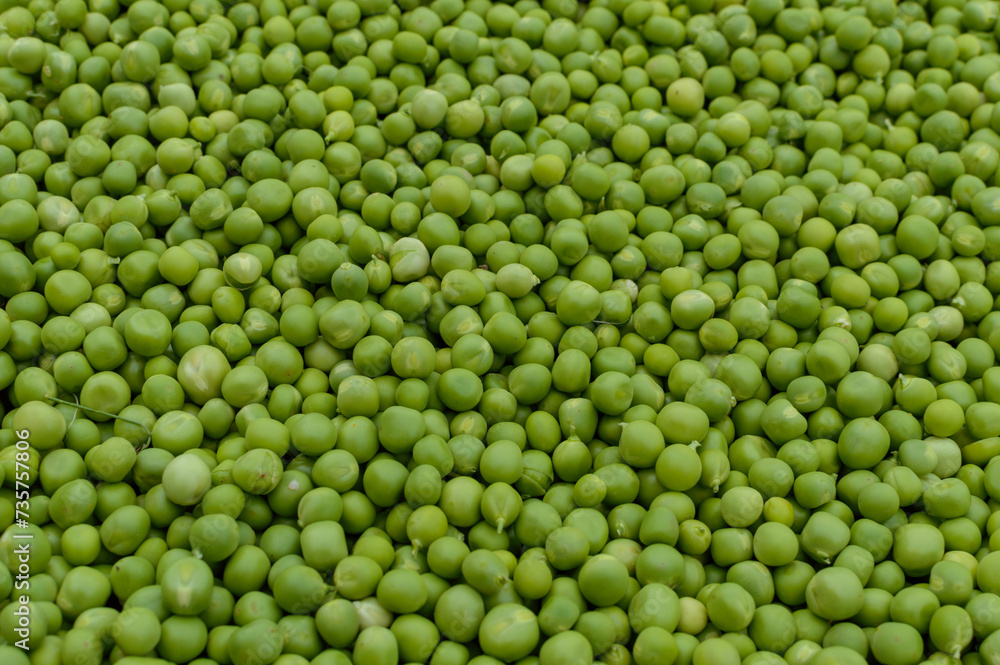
(77, 405)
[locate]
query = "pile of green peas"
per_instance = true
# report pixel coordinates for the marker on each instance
(635, 332)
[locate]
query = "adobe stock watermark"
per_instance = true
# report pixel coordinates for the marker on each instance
(22, 548)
